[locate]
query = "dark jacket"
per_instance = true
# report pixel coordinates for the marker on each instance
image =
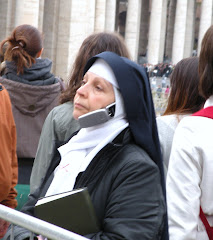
(124, 211)
(125, 179)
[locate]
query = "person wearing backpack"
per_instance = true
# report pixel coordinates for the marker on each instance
(190, 172)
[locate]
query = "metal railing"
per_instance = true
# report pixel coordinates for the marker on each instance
(36, 225)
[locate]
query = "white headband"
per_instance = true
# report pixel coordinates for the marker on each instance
(102, 69)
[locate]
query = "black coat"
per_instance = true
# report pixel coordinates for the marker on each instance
(125, 189)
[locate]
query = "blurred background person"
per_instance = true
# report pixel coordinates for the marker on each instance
(167, 91)
(33, 90)
(184, 99)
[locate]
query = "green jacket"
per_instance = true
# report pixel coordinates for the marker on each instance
(58, 126)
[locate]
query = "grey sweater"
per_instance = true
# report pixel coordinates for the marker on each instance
(166, 129)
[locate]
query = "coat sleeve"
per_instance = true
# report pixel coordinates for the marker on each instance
(44, 153)
(183, 181)
(19, 232)
(135, 206)
(58, 126)
(8, 158)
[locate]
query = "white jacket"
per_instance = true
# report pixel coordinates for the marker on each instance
(190, 178)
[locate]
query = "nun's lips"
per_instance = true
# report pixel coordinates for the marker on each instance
(79, 106)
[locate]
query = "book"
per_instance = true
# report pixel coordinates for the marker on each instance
(71, 210)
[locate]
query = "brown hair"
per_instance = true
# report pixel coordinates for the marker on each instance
(184, 97)
(22, 46)
(206, 64)
(92, 45)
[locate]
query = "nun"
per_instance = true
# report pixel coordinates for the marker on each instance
(116, 153)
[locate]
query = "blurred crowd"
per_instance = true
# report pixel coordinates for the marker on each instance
(159, 70)
(159, 77)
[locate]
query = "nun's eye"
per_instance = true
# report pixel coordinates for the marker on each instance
(83, 82)
(98, 88)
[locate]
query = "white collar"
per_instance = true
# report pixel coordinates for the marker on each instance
(209, 102)
(77, 154)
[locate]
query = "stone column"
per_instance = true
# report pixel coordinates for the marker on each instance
(163, 31)
(27, 12)
(157, 31)
(190, 28)
(41, 15)
(3, 18)
(110, 15)
(179, 31)
(205, 20)
(62, 37)
(7, 17)
(50, 29)
(170, 29)
(65, 25)
(144, 28)
(184, 30)
(100, 11)
(133, 27)
(80, 26)
(91, 15)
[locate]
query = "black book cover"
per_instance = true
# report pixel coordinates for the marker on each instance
(71, 210)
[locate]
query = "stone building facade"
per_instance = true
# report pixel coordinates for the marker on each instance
(154, 30)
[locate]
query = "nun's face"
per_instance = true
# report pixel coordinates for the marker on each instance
(94, 93)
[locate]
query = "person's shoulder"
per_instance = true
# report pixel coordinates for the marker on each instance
(61, 115)
(189, 121)
(62, 109)
(61, 120)
(2, 79)
(163, 119)
(193, 129)
(166, 117)
(132, 160)
(167, 121)
(133, 154)
(196, 123)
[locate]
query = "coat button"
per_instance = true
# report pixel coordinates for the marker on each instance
(31, 108)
